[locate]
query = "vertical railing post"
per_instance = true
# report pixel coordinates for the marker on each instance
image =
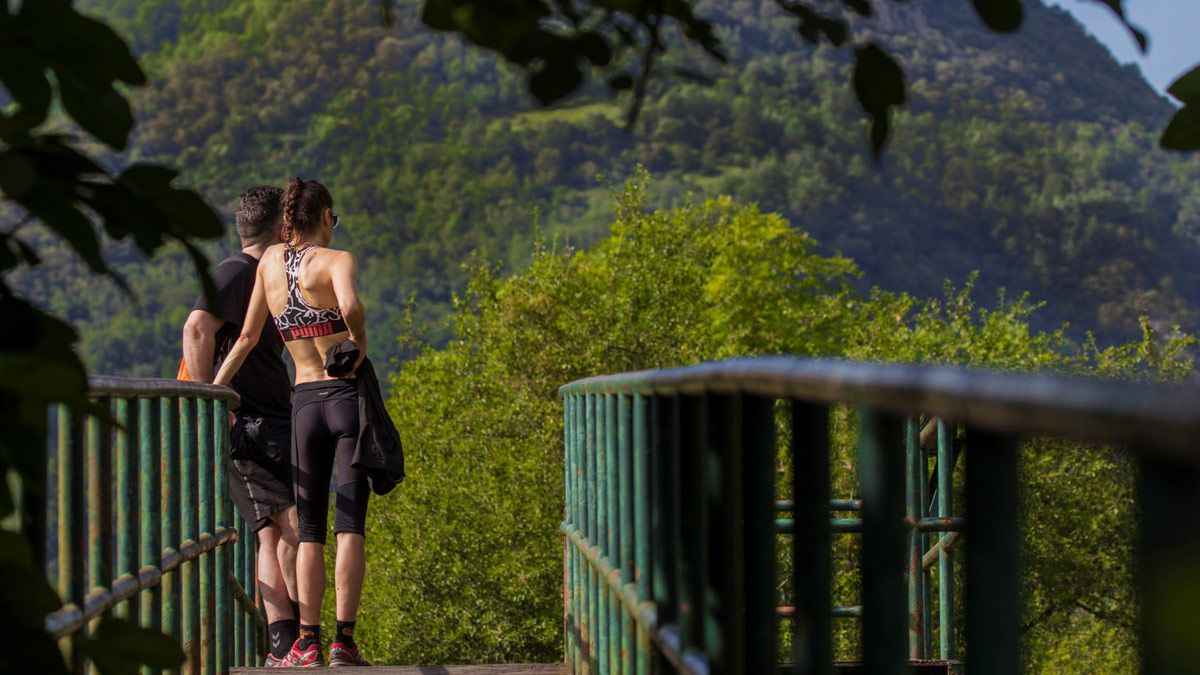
(945, 495)
(238, 627)
(99, 506)
(625, 530)
(578, 478)
(594, 612)
(126, 466)
(72, 514)
(664, 513)
(600, 543)
(35, 505)
(758, 478)
(912, 480)
(724, 595)
(169, 506)
(220, 497)
(582, 585)
(811, 574)
(693, 523)
(568, 558)
(188, 489)
(1169, 576)
(612, 553)
(149, 539)
(250, 644)
(881, 471)
(926, 508)
(993, 591)
(641, 518)
(206, 563)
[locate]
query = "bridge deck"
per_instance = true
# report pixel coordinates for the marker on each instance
(843, 668)
(507, 669)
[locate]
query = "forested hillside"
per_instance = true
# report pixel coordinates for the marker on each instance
(1029, 158)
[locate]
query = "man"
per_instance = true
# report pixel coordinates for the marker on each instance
(260, 476)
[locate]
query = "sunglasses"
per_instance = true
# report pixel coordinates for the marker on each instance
(336, 220)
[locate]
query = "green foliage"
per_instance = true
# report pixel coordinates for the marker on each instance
(431, 152)
(550, 40)
(470, 543)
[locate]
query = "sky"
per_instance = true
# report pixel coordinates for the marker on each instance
(1172, 25)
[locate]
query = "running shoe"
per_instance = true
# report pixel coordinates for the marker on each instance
(273, 662)
(309, 658)
(342, 654)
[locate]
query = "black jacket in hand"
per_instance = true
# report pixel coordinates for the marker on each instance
(378, 452)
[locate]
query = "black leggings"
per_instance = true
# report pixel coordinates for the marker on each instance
(325, 426)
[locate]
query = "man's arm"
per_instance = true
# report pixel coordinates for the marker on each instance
(200, 344)
(256, 316)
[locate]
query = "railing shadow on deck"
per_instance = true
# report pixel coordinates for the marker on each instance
(138, 521)
(672, 521)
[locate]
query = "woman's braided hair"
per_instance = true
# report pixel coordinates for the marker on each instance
(303, 203)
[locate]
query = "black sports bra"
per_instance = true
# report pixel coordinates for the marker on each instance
(300, 320)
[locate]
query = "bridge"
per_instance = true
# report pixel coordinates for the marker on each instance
(697, 524)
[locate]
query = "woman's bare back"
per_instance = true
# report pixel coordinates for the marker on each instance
(315, 281)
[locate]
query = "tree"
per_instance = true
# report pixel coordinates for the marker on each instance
(553, 41)
(483, 425)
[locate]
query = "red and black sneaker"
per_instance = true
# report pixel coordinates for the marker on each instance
(308, 658)
(272, 662)
(342, 654)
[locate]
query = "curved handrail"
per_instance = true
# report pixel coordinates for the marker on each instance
(107, 385)
(1159, 419)
(139, 494)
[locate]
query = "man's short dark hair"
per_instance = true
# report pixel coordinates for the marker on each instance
(257, 215)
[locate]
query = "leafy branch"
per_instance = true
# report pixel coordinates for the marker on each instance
(50, 53)
(556, 41)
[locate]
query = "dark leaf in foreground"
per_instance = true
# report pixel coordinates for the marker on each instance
(860, 7)
(25, 600)
(879, 86)
(1187, 87)
(554, 82)
(621, 82)
(1000, 15)
(1119, 10)
(38, 361)
(813, 25)
(120, 648)
(1183, 131)
(88, 60)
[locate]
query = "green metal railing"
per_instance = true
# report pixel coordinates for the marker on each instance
(139, 521)
(672, 522)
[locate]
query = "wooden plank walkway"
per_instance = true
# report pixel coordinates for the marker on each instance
(507, 669)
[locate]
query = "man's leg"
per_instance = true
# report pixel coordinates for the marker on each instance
(285, 521)
(281, 620)
(270, 578)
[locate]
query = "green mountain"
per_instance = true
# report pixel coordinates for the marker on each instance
(1030, 158)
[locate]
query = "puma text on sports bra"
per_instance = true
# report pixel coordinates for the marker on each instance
(300, 320)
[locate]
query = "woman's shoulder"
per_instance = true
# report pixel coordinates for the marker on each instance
(337, 256)
(272, 255)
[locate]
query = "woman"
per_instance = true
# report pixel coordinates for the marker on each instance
(310, 290)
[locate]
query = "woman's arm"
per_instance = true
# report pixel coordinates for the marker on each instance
(345, 284)
(252, 325)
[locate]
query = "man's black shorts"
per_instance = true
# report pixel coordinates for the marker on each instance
(260, 479)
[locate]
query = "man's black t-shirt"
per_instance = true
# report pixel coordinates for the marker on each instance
(262, 381)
